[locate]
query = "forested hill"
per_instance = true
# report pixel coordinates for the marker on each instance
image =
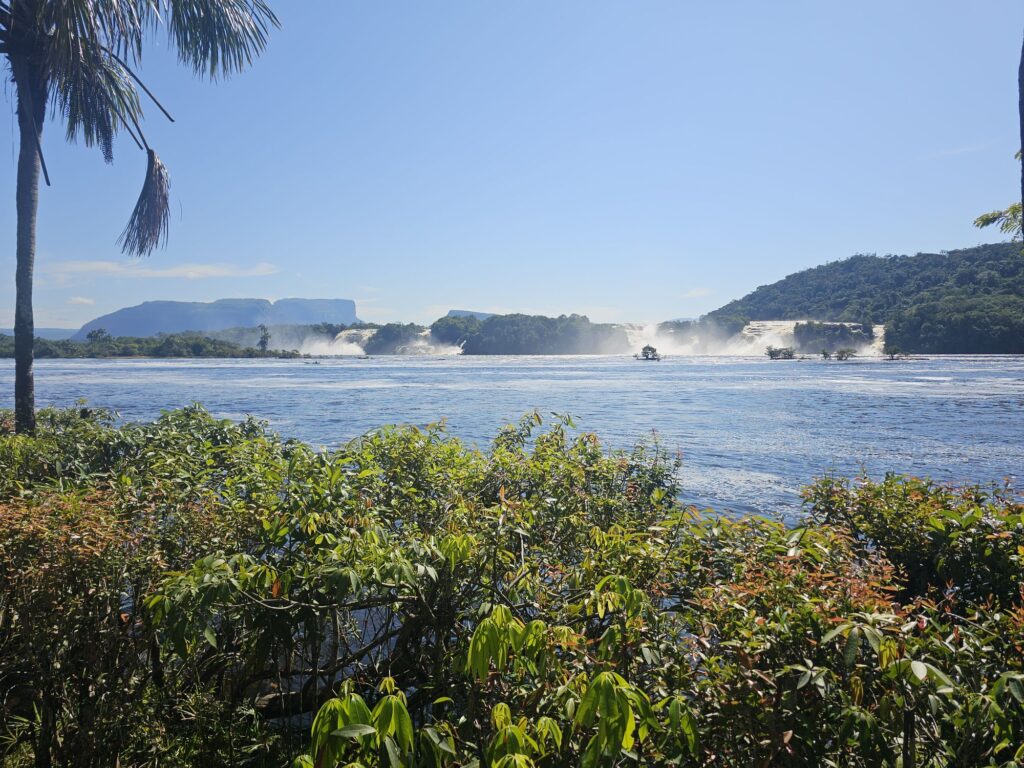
(966, 301)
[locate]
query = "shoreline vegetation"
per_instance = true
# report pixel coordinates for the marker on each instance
(197, 592)
(171, 345)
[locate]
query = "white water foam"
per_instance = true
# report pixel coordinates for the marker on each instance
(353, 342)
(350, 342)
(755, 337)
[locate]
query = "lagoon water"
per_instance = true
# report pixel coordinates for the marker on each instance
(751, 432)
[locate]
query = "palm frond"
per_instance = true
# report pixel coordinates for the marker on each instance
(1009, 220)
(86, 50)
(218, 37)
(147, 228)
(117, 24)
(96, 96)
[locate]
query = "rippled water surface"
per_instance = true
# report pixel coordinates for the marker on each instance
(750, 431)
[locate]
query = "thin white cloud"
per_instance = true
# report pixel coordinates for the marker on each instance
(83, 300)
(134, 269)
(696, 293)
(954, 151)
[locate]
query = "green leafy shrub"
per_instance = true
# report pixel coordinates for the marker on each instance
(780, 353)
(812, 336)
(965, 539)
(199, 592)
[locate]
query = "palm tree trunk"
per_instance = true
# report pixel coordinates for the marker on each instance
(1020, 109)
(31, 88)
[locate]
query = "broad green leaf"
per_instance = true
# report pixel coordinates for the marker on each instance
(919, 668)
(355, 731)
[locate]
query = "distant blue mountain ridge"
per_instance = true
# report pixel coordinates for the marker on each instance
(153, 317)
(54, 334)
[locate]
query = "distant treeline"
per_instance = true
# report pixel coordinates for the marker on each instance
(969, 301)
(101, 344)
(530, 335)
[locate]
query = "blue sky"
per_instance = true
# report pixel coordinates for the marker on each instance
(629, 161)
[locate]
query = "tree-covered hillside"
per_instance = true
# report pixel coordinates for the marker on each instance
(955, 322)
(966, 301)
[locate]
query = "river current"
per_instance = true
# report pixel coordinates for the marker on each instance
(751, 432)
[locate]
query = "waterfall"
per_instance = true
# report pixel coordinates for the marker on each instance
(424, 345)
(755, 337)
(696, 339)
(758, 335)
(350, 342)
(639, 335)
(353, 342)
(878, 343)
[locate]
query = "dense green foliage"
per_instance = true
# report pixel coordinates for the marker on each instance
(394, 339)
(940, 538)
(951, 323)
(164, 345)
(967, 301)
(535, 335)
(190, 592)
(815, 337)
(780, 353)
(455, 329)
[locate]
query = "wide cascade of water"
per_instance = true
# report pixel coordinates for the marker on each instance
(758, 335)
(755, 337)
(354, 341)
(350, 342)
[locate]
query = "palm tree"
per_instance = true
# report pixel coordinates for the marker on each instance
(1011, 220)
(77, 57)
